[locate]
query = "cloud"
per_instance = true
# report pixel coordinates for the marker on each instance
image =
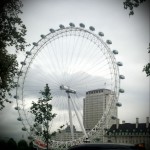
(129, 36)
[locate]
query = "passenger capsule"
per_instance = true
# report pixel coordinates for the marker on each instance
(17, 85)
(119, 63)
(109, 42)
(35, 125)
(72, 24)
(16, 97)
(31, 129)
(113, 117)
(24, 129)
(23, 63)
(92, 28)
(121, 90)
(121, 76)
(19, 119)
(28, 53)
(7, 101)
(61, 26)
(118, 104)
(52, 30)
(115, 51)
(17, 108)
(20, 73)
(43, 36)
(101, 34)
(30, 137)
(82, 25)
(35, 44)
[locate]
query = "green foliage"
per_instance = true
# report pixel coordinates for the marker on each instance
(42, 110)
(22, 145)
(12, 32)
(3, 144)
(8, 70)
(131, 4)
(12, 29)
(31, 147)
(146, 68)
(11, 144)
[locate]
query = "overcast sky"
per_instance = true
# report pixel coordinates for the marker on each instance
(129, 35)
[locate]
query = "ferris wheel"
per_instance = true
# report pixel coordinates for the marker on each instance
(72, 61)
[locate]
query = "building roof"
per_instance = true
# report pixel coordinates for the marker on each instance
(129, 128)
(67, 129)
(97, 91)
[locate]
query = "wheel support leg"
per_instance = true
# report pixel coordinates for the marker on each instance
(70, 117)
(81, 125)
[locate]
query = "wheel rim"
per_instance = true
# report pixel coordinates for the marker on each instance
(81, 69)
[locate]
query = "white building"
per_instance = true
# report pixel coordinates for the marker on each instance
(133, 133)
(94, 105)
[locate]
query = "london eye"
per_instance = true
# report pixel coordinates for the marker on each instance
(72, 60)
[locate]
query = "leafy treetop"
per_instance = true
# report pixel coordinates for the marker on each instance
(12, 33)
(42, 110)
(12, 29)
(131, 4)
(146, 68)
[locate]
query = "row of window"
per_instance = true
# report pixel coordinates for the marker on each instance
(96, 91)
(126, 133)
(133, 140)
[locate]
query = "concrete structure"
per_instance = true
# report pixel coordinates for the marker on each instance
(133, 133)
(94, 105)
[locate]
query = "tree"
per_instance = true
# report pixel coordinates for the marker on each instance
(12, 33)
(12, 29)
(11, 144)
(3, 144)
(42, 110)
(131, 4)
(8, 70)
(22, 145)
(146, 68)
(31, 146)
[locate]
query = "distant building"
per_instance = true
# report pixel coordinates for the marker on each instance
(65, 135)
(133, 133)
(94, 105)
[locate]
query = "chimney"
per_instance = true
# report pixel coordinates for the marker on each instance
(147, 122)
(123, 122)
(137, 122)
(117, 123)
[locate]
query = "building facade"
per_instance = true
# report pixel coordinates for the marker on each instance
(94, 105)
(65, 135)
(133, 133)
